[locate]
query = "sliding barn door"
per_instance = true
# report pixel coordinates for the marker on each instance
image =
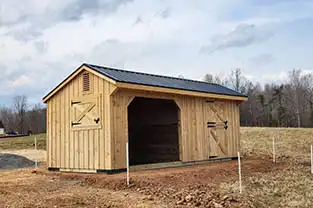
(217, 126)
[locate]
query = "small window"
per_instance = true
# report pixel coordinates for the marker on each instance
(86, 82)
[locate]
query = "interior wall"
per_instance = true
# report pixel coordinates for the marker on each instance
(153, 131)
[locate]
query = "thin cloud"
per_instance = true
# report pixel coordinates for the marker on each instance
(46, 40)
(242, 36)
(41, 46)
(166, 13)
(138, 20)
(38, 15)
(78, 8)
(262, 60)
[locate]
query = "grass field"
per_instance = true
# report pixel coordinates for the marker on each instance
(287, 183)
(27, 142)
(291, 185)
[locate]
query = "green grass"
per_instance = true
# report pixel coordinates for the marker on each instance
(27, 142)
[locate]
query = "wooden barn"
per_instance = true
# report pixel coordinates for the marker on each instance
(95, 111)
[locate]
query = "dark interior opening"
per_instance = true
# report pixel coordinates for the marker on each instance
(153, 131)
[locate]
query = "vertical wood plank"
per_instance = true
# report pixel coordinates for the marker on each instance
(185, 126)
(200, 129)
(86, 148)
(49, 134)
(227, 114)
(67, 128)
(204, 130)
(59, 150)
(237, 113)
(104, 137)
(180, 139)
(233, 132)
(54, 144)
(76, 137)
(95, 150)
(62, 128)
(71, 143)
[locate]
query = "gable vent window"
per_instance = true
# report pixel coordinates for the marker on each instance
(86, 82)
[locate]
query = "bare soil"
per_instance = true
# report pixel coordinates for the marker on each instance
(287, 183)
(193, 186)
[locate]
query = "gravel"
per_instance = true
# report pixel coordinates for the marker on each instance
(11, 161)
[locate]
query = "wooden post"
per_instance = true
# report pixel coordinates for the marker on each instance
(274, 153)
(36, 160)
(239, 170)
(312, 159)
(127, 163)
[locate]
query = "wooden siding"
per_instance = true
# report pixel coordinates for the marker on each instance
(85, 148)
(196, 142)
(102, 147)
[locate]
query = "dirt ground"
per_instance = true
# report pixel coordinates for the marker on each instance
(193, 186)
(287, 183)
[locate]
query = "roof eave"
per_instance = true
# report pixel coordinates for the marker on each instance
(134, 86)
(71, 77)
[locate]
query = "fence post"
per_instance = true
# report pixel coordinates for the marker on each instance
(36, 160)
(239, 170)
(127, 163)
(312, 159)
(274, 153)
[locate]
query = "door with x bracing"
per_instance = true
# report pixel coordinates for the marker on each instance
(217, 126)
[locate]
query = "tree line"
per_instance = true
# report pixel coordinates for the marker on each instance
(22, 117)
(289, 104)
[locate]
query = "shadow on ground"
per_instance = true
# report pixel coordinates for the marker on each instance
(11, 161)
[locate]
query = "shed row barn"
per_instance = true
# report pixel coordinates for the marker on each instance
(95, 111)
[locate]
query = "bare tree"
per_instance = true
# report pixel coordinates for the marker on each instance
(7, 118)
(295, 84)
(36, 119)
(214, 79)
(289, 104)
(238, 82)
(208, 78)
(307, 82)
(20, 104)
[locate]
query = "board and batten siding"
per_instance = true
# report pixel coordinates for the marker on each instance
(195, 139)
(85, 148)
(102, 147)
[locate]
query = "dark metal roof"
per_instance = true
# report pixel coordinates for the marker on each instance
(162, 81)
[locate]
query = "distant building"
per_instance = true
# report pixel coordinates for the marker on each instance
(1, 128)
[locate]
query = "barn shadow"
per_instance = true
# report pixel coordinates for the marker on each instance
(11, 161)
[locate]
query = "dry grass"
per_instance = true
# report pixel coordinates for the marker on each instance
(289, 183)
(290, 186)
(292, 145)
(27, 142)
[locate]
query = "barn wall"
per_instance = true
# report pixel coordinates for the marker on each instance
(86, 148)
(196, 140)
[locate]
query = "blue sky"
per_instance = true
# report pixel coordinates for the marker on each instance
(41, 42)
